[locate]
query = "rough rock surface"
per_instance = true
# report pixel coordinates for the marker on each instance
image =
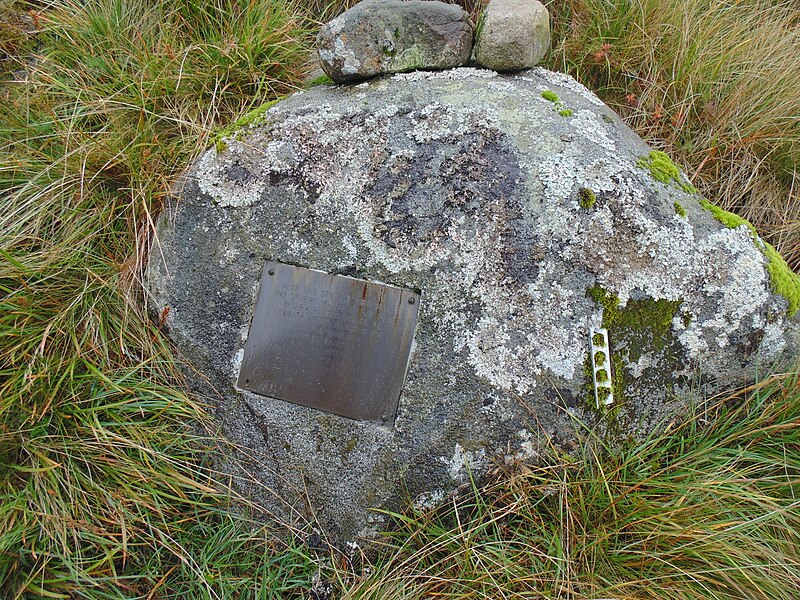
(394, 36)
(512, 35)
(523, 221)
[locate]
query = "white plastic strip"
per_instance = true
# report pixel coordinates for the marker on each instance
(601, 367)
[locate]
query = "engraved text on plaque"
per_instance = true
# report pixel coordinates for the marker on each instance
(334, 343)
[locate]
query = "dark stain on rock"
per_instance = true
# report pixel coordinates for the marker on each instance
(238, 173)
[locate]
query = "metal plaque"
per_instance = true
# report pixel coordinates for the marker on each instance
(334, 343)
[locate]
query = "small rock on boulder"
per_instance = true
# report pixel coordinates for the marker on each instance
(393, 36)
(512, 35)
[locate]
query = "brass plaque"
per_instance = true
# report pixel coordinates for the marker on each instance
(334, 343)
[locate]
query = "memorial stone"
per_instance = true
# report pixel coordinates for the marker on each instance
(565, 279)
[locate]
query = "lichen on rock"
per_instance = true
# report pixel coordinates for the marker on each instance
(785, 282)
(394, 36)
(464, 185)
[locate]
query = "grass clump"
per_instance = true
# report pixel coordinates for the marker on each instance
(102, 482)
(16, 33)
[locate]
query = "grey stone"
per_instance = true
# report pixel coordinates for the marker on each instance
(468, 186)
(512, 35)
(393, 36)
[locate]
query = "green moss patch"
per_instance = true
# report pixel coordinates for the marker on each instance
(664, 170)
(679, 210)
(253, 118)
(321, 80)
(551, 96)
(655, 316)
(640, 327)
(558, 104)
(784, 281)
(729, 219)
(587, 198)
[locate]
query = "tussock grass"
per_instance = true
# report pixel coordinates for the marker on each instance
(716, 83)
(99, 446)
(708, 509)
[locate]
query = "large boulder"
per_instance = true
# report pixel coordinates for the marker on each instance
(394, 36)
(527, 215)
(512, 35)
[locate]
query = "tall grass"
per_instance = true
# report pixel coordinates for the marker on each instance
(716, 83)
(99, 445)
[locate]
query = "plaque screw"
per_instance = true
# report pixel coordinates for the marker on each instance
(271, 272)
(411, 300)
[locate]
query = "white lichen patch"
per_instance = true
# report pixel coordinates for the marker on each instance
(429, 500)
(340, 53)
(224, 192)
(646, 361)
(236, 363)
(449, 74)
(587, 125)
(463, 462)
(435, 122)
(773, 342)
(526, 450)
(236, 178)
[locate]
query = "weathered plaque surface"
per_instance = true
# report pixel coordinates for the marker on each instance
(330, 342)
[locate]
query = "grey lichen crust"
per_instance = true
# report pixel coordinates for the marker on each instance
(466, 185)
(394, 36)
